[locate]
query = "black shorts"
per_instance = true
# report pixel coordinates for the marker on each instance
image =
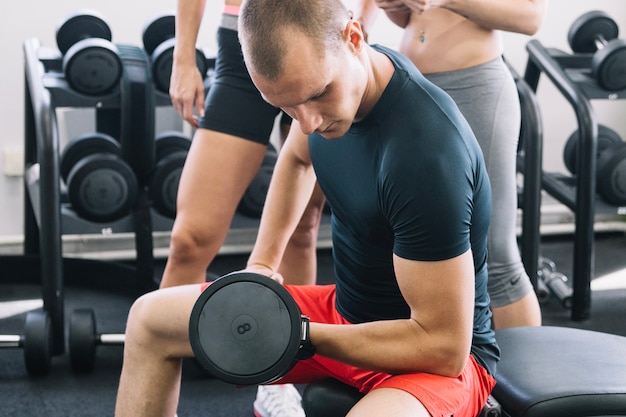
(233, 104)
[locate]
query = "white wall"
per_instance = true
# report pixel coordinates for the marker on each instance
(39, 19)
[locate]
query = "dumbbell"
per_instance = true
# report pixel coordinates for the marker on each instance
(101, 186)
(83, 339)
(171, 151)
(91, 63)
(607, 137)
(246, 329)
(158, 41)
(253, 199)
(36, 342)
(610, 164)
(611, 174)
(596, 32)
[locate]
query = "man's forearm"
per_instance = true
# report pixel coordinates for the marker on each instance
(289, 192)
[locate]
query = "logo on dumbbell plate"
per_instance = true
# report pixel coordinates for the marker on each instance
(244, 327)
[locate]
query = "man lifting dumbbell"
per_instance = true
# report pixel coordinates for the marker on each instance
(408, 321)
(229, 145)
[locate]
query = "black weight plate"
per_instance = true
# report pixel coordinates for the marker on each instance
(82, 340)
(169, 142)
(245, 329)
(79, 26)
(253, 198)
(612, 175)
(37, 343)
(90, 143)
(92, 67)
(608, 65)
(164, 183)
(271, 155)
(607, 137)
(583, 32)
(162, 60)
(102, 187)
(158, 30)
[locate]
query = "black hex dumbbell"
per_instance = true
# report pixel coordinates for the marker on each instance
(101, 186)
(91, 62)
(171, 151)
(158, 41)
(596, 32)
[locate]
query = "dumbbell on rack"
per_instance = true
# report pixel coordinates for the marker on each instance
(171, 151)
(101, 186)
(610, 163)
(91, 62)
(253, 199)
(596, 32)
(158, 41)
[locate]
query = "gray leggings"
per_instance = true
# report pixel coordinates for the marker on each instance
(487, 97)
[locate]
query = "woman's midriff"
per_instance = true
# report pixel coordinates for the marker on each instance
(440, 40)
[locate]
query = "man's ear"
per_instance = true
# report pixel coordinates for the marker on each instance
(353, 34)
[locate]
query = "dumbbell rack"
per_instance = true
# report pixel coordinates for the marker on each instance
(571, 75)
(47, 217)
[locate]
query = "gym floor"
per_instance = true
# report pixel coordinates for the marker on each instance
(63, 393)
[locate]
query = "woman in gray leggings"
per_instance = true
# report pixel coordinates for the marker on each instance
(458, 46)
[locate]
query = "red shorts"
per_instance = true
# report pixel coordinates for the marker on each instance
(442, 396)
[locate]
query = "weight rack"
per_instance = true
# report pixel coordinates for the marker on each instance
(128, 113)
(571, 75)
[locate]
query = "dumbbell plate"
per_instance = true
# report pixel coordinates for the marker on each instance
(79, 26)
(606, 137)
(37, 342)
(608, 65)
(158, 30)
(90, 143)
(583, 32)
(164, 183)
(162, 60)
(82, 340)
(253, 199)
(612, 175)
(245, 329)
(92, 67)
(169, 142)
(102, 187)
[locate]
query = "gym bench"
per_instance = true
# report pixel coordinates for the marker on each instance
(543, 371)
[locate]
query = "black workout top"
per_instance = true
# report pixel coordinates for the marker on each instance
(408, 180)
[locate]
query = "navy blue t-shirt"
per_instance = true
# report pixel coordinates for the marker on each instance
(409, 180)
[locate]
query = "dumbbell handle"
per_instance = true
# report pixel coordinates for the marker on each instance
(557, 283)
(10, 341)
(112, 338)
(600, 41)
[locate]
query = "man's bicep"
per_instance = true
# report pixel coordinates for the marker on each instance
(440, 294)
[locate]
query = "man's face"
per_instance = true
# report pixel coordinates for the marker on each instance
(322, 90)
